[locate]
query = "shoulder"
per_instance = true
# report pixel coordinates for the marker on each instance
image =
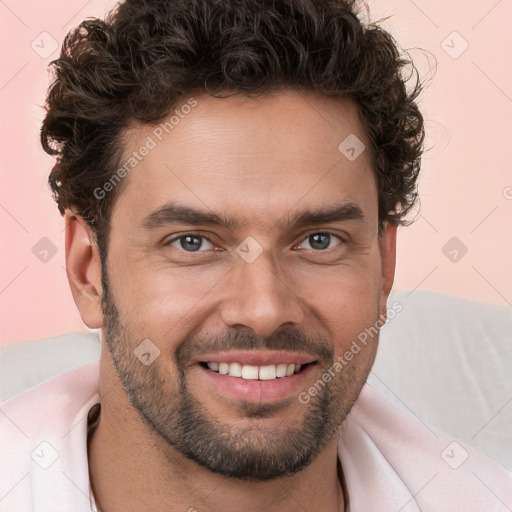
(43, 433)
(393, 459)
(53, 402)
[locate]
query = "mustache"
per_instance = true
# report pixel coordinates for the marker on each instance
(290, 340)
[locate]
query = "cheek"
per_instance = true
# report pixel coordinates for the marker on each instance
(163, 303)
(355, 326)
(349, 307)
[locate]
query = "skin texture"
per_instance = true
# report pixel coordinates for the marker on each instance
(259, 161)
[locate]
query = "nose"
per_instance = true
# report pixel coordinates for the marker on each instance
(260, 298)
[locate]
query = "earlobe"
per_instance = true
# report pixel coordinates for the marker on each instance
(83, 268)
(387, 244)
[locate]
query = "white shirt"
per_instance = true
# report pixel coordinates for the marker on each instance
(391, 461)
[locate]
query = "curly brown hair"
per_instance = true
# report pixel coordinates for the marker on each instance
(145, 55)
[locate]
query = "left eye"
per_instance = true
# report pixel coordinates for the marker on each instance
(190, 242)
(321, 241)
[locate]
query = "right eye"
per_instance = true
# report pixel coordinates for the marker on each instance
(191, 242)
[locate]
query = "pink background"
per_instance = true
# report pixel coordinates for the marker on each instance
(466, 183)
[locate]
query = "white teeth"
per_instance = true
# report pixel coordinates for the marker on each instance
(235, 370)
(248, 372)
(281, 370)
(268, 372)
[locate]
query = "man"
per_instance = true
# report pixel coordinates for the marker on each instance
(232, 175)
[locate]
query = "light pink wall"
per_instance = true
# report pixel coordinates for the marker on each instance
(466, 185)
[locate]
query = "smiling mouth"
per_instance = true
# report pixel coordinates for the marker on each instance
(250, 372)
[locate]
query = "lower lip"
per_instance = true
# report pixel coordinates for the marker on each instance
(258, 390)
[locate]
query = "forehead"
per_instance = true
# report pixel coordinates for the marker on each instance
(251, 156)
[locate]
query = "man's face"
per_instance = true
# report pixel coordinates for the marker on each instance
(273, 288)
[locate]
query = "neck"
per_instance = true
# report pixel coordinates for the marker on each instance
(132, 468)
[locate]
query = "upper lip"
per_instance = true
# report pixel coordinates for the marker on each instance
(256, 358)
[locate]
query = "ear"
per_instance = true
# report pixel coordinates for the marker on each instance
(83, 267)
(387, 245)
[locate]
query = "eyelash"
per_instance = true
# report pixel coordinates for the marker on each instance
(199, 235)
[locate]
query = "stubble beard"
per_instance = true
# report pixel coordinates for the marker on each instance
(248, 453)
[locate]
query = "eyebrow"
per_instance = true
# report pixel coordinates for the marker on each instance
(173, 213)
